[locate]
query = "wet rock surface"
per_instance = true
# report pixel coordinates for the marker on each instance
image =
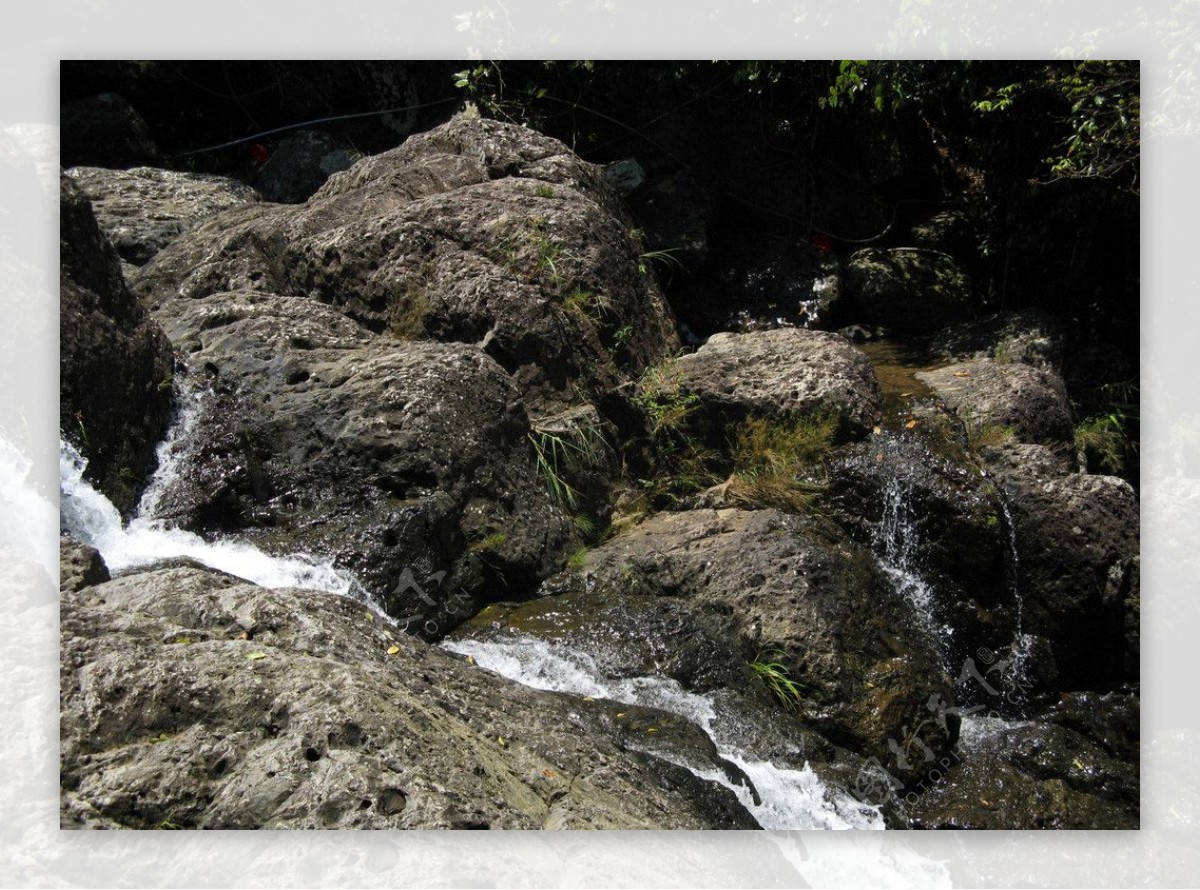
(193, 701)
(116, 366)
(783, 583)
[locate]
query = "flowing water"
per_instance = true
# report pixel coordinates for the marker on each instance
(787, 798)
(88, 516)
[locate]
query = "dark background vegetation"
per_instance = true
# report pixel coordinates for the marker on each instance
(1039, 160)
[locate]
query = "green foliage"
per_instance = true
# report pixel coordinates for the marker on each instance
(989, 435)
(1105, 440)
(544, 191)
(560, 455)
(1102, 115)
(662, 399)
(769, 457)
(777, 678)
(491, 542)
(577, 560)
(664, 258)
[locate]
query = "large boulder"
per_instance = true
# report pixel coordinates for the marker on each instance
(475, 232)
(1077, 541)
(405, 460)
(144, 209)
(301, 164)
(866, 664)
(189, 700)
(116, 365)
(1030, 336)
(1030, 402)
(782, 374)
(908, 291)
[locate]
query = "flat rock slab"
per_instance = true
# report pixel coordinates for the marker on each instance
(782, 373)
(1032, 401)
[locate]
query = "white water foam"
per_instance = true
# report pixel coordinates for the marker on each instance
(88, 516)
(788, 798)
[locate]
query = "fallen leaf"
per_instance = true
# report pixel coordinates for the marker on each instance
(393, 650)
(652, 729)
(912, 423)
(622, 714)
(244, 635)
(985, 801)
(877, 430)
(962, 373)
(183, 641)
(470, 659)
(1078, 764)
(500, 741)
(549, 773)
(255, 656)
(370, 616)
(588, 698)
(905, 395)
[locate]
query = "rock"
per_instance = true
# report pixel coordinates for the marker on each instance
(910, 291)
(1109, 719)
(408, 461)
(301, 164)
(947, 231)
(985, 394)
(116, 365)
(105, 130)
(786, 373)
(1029, 775)
(1031, 337)
(1008, 460)
(935, 517)
(1077, 540)
(192, 701)
(80, 566)
(625, 175)
(142, 210)
(475, 232)
(866, 665)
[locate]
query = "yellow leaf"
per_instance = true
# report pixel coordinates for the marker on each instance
(962, 373)
(911, 424)
(877, 430)
(470, 659)
(549, 773)
(255, 656)
(1078, 764)
(652, 729)
(392, 650)
(905, 395)
(500, 741)
(588, 698)
(622, 714)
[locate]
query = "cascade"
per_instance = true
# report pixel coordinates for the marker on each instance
(786, 798)
(88, 516)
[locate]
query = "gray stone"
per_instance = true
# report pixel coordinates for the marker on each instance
(193, 701)
(785, 373)
(142, 210)
(987, 393)
(909, 291)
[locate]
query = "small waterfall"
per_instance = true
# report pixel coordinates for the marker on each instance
(787, 798)
(1022, 645)
(895, 541)
(88, 516)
